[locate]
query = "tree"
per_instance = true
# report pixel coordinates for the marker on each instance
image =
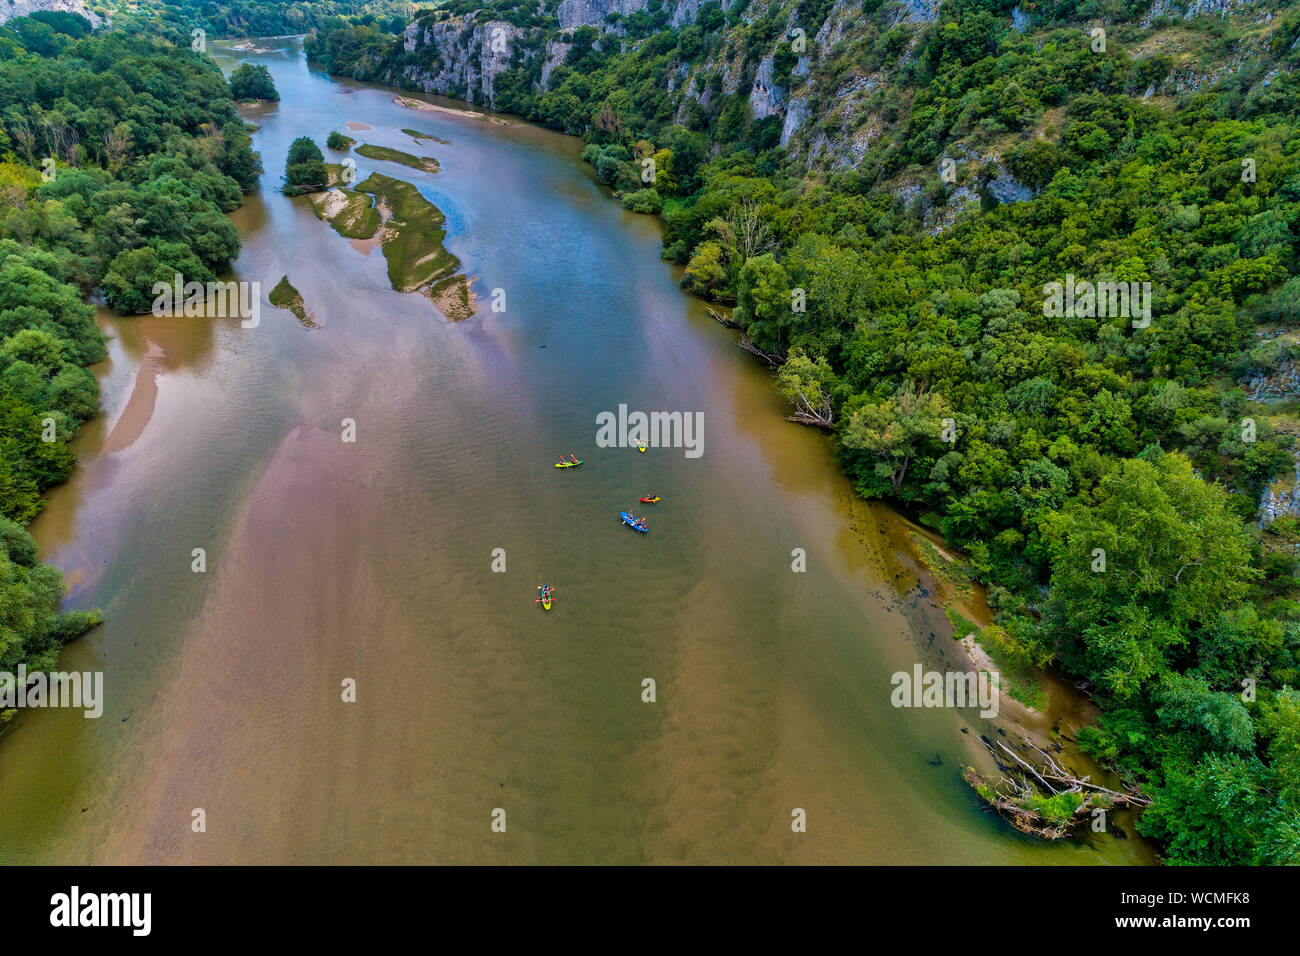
(237, 158)
(807, 385)
(707, 272)
(1153, 557)
(306, 170)
(35, 347)
(665, 180)
(303, 150)
(249, 82)
(763, 302)
(31, 625)
(892, 433)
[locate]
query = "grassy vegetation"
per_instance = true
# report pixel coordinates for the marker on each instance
(413, 247)
(355, 218)
(426, 163)
(417, 135)
(956, 574)
(285, 296)
(1015, 663)
(961, 624)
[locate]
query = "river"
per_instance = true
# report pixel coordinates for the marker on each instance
(372, 560)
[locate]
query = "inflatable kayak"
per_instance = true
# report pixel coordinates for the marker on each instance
(545, 599)
(651, 501)
(569, 464)
(635, 523)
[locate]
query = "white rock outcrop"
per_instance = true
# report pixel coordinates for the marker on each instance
(10, 9)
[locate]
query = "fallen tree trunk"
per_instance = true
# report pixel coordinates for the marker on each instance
(774, 361)
(1058, 774)
(721, 319)
(1056, 804)
(1022, 818)
(805, 413)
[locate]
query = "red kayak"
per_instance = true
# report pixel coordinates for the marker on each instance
(651, 501)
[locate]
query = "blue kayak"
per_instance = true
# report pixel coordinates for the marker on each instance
(635, 523)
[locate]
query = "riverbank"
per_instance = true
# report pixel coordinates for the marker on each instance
(415, 104)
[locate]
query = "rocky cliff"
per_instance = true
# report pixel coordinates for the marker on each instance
(9, 9)
(458, 58)
(830, 92)
(465, 57)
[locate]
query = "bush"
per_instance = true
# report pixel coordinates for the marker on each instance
(645, 201)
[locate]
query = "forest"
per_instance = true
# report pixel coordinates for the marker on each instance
(121, 153)
(267, 18)
(1105, 480)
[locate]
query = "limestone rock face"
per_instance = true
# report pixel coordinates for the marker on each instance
(765, 97)
(556, 53)
(1280, 498)
(465, 58)
(9, 9)
(795, 117)
(1007, 189)
(592, 13)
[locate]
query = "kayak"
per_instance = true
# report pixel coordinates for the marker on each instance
(641, 447)
(569, 464)
(633, 522)
(545, 599)
(651, 501)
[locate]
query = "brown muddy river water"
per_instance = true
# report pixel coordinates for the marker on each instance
(372, 560)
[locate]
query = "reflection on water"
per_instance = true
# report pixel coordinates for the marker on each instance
(329, 560)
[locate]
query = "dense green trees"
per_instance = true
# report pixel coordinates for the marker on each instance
(119, 155)
(305, 168)
(273, 18)
(32, 627)
(249, 82)
(1154, 554)
(350, 49)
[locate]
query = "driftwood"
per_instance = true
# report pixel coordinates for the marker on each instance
(1053, 771)
(1022, 818)
(720, 318)
(1013, 799)
(806, 414)
(773, 360)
